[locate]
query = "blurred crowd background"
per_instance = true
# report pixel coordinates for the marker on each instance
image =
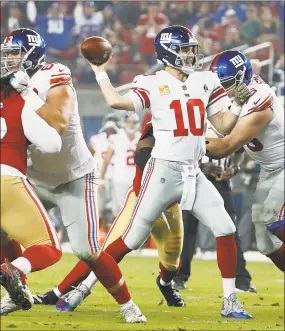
(131, 27)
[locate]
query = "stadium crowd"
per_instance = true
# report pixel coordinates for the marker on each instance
(131, 26)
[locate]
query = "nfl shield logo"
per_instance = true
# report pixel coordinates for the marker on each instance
(205, 88)
(164, 90)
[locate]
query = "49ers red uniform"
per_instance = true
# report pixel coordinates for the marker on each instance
(23, 218)
(13, 141)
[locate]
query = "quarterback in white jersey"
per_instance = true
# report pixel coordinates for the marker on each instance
(66, 179)
(121, 153)
(180, 100)
(260, 130)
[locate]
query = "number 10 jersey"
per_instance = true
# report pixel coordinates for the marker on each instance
(179, 111)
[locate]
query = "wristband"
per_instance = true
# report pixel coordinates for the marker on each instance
(32, 100)
(236, 109)
(100, 76)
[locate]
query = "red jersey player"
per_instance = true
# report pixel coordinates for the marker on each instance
(23, 218)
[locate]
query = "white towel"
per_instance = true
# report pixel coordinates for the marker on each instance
(189, 188)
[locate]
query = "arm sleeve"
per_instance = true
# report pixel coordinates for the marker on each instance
(219, 99)
(39, 133)
(139, 94)
(60, 75)
(260, 100)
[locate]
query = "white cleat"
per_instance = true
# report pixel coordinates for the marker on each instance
(8, 306)
(71, 300)
(132, 313)
(232, 308)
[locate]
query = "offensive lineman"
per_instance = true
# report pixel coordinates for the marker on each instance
(180, 99)
(23, 218)
(260, 130)
(67, 179)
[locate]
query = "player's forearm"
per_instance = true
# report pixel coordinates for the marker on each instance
(229, 118)
(228, 122)
(222, 147)
(112, 97)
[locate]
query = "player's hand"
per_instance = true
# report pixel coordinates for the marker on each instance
(20, 81)
(242, 94)
(211, 169)
(103, 67)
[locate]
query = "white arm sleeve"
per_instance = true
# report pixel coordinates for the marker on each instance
(139, 94)
(39, 133)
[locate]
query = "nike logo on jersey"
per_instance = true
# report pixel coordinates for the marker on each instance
(256, 102)
(60, 70)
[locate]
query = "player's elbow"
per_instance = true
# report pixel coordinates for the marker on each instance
(115, 102)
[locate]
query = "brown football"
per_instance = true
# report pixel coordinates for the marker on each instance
(96, 50)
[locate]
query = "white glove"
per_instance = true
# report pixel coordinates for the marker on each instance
(20, 81)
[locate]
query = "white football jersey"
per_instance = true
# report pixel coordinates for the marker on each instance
(123, 157)
(268, 146)
(179, 111)
(100, 143)
(74, 160)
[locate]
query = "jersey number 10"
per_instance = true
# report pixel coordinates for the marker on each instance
(196, 115)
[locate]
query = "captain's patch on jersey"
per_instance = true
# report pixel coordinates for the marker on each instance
(164, 90)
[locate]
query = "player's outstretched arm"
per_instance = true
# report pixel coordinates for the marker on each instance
(112, 97)
(245, 130)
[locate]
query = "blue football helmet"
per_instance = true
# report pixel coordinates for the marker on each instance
(232, 68)
(177, 47)
(28, 48)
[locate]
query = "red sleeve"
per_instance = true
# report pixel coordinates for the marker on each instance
(146, 118)
(137, 180)
(145, 130)
(216, 95)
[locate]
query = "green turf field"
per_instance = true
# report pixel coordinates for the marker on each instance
(99, 312)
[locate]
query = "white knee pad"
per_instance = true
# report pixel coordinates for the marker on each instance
(267, 243)
(224, 225)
